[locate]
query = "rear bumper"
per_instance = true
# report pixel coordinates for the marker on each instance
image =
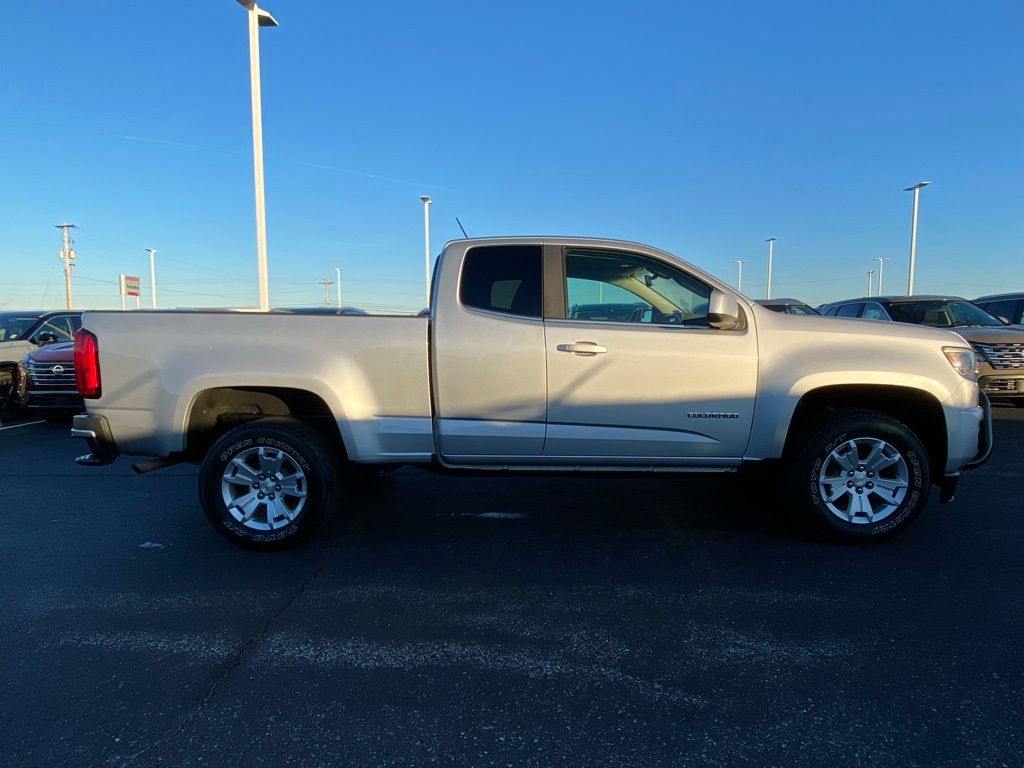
(96, 433)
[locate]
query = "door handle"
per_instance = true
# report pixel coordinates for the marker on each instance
(586, 348)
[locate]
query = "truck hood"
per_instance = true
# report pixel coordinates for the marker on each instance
(864, 329)
(61, 352)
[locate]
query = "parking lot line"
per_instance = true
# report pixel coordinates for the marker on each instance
(19, 426)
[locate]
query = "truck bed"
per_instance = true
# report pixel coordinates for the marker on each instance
(372, 373)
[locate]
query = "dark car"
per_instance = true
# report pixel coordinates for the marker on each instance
(45, 382)
(788, 306)
(20, 333)
(1000, 347)
(1005, 306)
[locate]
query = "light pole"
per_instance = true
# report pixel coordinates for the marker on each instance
(881, 270)
(916, 189)
(152, 273)
(771, 243)
(337, 271)
(426, 245)
(871, 273)
(258, 18)
(739, 280)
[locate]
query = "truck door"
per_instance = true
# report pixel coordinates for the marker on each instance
(635, 373)
(489, 365)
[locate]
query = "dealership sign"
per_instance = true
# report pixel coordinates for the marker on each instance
(129, 285)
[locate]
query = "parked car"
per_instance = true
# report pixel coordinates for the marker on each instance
(1000, 348)
(45, 382)
(855, 420)
(20, 333)
(1005, 306)
(788, 306)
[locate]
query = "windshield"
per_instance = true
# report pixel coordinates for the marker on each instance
(14, 327)
(942, 313)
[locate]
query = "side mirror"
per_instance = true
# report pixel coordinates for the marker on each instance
(46, 337)
(723, 311)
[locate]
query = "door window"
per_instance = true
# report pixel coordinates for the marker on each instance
(1006, 308)
(848, 310)
(613, 287)
(874, 311)
(60, 326)
(503, 278)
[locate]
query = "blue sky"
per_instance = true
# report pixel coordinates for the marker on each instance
(699, 128)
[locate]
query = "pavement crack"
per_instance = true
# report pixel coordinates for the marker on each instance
(242, 654)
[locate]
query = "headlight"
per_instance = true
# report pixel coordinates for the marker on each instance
(964, 361)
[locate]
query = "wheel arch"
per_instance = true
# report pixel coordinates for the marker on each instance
(920, 410)
(214, 410)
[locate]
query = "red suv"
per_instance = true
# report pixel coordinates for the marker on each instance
(45, 381)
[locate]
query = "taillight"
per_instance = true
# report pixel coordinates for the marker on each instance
(87, 364)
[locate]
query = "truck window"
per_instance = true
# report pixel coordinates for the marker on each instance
(612, 287)
(503, 278)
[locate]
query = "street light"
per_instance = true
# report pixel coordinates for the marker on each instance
(152, 273)
(337, 271)
(258, 18)
(871, 273)
(916, 189)
(426, 245)
(771, 242)
(739, 281)
(881, 270)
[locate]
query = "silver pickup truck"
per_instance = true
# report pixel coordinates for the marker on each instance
(538, 353)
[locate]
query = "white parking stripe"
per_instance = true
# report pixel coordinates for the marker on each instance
(19, 426)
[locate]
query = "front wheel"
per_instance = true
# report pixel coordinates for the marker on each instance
(267, 484)
(863, 475)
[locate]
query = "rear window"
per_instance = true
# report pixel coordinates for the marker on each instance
(503, 278)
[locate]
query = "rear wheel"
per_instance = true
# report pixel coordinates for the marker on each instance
(267, 484)
(863, 475)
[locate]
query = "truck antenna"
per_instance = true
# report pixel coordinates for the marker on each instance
(461, 227)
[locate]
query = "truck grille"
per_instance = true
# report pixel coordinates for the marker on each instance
(45, 375)
(1003, 355)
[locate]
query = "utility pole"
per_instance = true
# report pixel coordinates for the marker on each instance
(337, 271)
(771, 242)
(426, 245)
(326, 284)
(739, 281)
(871, 274)
(881, 269)
(152, 273)
(916, 189)
(67, 255)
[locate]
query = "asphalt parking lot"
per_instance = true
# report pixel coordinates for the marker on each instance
(503, 622)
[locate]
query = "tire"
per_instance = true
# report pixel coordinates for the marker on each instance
(890, 469)
(10, 408)
(281, 455)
